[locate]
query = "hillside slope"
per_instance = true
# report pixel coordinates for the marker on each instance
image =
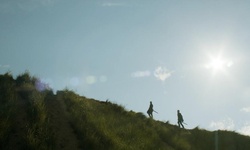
(32, 117)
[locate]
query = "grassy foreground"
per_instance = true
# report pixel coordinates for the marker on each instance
(32, 117)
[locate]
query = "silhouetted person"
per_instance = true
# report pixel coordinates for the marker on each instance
(180, 119)
(150, 110)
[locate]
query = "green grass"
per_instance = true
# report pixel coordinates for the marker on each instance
(38, 134)
(95, 124)
(108, 125)
(7, 107)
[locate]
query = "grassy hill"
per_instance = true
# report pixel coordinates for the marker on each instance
(32, 117)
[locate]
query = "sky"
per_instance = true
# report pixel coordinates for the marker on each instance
(191, 56)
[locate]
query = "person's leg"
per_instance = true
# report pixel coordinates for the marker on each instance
(182, 125)
(148, 113)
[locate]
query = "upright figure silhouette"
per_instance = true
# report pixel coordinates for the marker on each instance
(180, 119)
(150, 110)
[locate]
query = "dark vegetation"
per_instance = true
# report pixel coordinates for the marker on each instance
(32, 117)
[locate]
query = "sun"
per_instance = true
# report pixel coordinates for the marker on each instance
(218, 64)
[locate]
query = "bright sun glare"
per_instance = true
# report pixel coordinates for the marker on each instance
(218, 64)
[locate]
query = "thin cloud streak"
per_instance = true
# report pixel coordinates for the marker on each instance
(139, 74)
(110, 4)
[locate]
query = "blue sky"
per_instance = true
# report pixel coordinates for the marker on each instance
(187, 55)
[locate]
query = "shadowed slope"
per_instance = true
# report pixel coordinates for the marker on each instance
(65, 138)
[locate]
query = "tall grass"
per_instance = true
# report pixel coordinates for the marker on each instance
(39, 134)
(110, 126)
(7, 107)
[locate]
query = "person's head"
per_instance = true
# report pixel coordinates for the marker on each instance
(178, 111)
(150, 102)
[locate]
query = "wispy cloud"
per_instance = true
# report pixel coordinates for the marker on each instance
(161, 73)
(139, 74)
(112, 4)
(245, 109)
(225, 124)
